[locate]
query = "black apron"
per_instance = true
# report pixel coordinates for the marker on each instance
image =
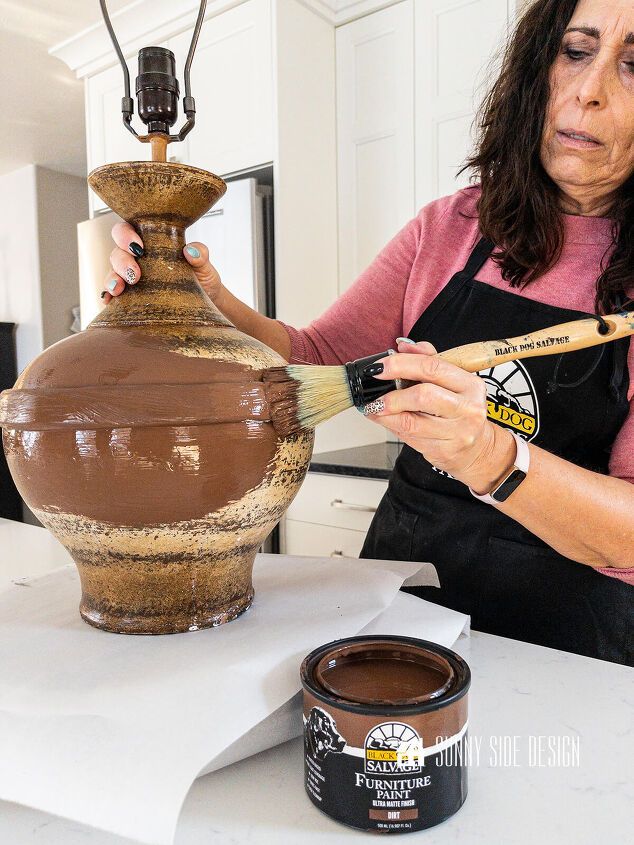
(509, 580)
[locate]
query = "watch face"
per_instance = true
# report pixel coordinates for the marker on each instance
(510, 483)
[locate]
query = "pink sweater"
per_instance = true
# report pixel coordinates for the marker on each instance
(390, 295)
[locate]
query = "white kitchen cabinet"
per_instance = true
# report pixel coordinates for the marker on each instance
(409, 80)
(307, 538)
(375, 134)
(232, 83)
(457, 52)
(331, 514)
(342, 501)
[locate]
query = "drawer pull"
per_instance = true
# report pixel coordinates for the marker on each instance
(350, 506)
(337, 553)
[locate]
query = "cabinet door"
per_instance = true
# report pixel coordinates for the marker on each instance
(232, 83)
(306, 538)
(337, 500)
(375, 134)
(457, 53)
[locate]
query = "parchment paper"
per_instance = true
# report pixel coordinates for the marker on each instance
(111, 730)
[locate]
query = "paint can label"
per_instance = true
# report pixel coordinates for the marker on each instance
(388, 774)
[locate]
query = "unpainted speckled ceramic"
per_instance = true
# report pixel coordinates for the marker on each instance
(144, 443)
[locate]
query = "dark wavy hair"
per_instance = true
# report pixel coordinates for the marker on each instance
(518, 209)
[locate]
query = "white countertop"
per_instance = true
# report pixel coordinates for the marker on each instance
(519, 693)
(28, 551)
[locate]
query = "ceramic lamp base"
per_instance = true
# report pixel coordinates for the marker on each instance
(145, 443)
(190, 620)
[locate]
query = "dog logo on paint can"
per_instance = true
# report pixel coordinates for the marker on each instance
(393, 748)
(321, 735)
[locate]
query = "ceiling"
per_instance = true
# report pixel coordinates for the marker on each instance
(42, 100)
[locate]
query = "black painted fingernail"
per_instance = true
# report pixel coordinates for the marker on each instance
(102, 294)
(136, 249)
(373, 370)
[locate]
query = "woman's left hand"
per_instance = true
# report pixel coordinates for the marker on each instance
(444, 417)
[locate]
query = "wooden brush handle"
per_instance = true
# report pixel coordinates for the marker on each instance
(566, 337)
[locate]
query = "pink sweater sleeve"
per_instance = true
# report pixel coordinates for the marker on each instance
(368, 317)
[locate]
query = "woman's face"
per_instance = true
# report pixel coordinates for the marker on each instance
(592, 94)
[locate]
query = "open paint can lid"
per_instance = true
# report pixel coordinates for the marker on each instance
(384, 671)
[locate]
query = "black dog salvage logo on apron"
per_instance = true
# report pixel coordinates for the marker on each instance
(490, 566)
(511, 400)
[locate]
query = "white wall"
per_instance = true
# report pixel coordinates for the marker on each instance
(39, 284)
(39, 273)
(20, 300)
(62, 203)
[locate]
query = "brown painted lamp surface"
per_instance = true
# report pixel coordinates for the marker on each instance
(145, 443)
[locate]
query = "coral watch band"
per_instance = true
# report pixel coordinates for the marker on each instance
(513, 479)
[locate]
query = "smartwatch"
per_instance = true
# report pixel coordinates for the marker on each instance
(514, 477)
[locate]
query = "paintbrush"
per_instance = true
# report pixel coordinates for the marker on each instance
(303, 395)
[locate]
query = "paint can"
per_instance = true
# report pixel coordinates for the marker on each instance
(385, 731)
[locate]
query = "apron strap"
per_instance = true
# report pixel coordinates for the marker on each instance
(553, 384)
(620, 350)
(478, 257)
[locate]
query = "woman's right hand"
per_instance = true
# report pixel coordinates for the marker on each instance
(125, 269)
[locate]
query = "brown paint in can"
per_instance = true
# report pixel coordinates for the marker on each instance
(385, 729)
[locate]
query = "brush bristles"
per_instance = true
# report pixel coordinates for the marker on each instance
(302, 396)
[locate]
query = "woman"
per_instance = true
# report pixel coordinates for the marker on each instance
(546, 236)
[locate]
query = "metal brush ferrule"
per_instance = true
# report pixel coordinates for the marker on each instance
(363, 387)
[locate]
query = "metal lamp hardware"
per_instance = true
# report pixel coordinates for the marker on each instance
(157, 86)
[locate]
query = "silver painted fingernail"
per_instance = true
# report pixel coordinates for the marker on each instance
(130, 276)
(374, 407)
(404, 340)
(112, 284)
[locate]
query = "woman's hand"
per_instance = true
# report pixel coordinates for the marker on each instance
(444, 417)
(126, 270)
